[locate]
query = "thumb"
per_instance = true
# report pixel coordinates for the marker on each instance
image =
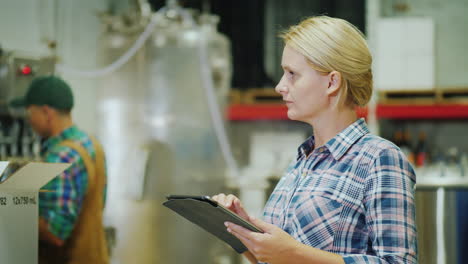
(262, 225)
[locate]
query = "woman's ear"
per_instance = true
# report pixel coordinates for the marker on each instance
(334, 83)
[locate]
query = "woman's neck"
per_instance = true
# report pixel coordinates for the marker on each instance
(330, 123)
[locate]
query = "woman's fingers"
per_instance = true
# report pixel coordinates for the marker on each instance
(230, 199)
(219, 198)
(226, 201)
(239, 209)
(231, 202)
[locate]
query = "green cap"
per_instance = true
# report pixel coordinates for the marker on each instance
(47, 90)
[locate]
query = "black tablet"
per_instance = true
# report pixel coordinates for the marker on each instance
(209, 215)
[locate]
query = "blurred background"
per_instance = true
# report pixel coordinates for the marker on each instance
(181, 95)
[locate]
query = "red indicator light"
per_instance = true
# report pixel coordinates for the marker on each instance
(26, 70)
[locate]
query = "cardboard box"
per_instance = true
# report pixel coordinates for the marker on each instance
(19, 211)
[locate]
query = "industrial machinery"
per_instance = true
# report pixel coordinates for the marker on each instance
(17, 69)
(158, 115)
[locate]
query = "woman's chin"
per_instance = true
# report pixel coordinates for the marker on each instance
(291, 115)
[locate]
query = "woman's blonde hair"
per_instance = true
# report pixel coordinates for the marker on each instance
(333, 44)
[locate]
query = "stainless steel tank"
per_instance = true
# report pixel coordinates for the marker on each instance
(437, 219)
(156, 129)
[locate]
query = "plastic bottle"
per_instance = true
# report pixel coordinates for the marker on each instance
(398, 137)
(406, 148)
(421, 150)
(453, 163)
(464, 164)
(439, 163)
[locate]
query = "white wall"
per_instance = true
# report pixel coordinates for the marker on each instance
(451, 36)
(19, 26)
(25, 24)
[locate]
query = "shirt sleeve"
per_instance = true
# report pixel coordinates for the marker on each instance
(61, 206)
(390, 211)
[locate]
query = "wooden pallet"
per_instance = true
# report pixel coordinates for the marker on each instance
(434, 96)
(454, 94)
(235, 97)
(261, 95)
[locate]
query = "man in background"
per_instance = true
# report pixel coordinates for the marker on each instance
(70, 210)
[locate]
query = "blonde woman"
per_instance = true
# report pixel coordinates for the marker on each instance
(349, 196)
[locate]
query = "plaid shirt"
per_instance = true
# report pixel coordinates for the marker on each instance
(354, 196)
(61, 207)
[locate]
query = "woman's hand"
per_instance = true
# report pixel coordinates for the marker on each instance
(273, 246)
(232, 203)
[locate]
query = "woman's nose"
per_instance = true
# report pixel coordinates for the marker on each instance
(280, 88)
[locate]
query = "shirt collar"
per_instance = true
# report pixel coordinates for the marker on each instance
(306, 147)
(339, 144)
(52, 141)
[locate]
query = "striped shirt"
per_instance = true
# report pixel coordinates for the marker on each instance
(61, 207)
(353, 196)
